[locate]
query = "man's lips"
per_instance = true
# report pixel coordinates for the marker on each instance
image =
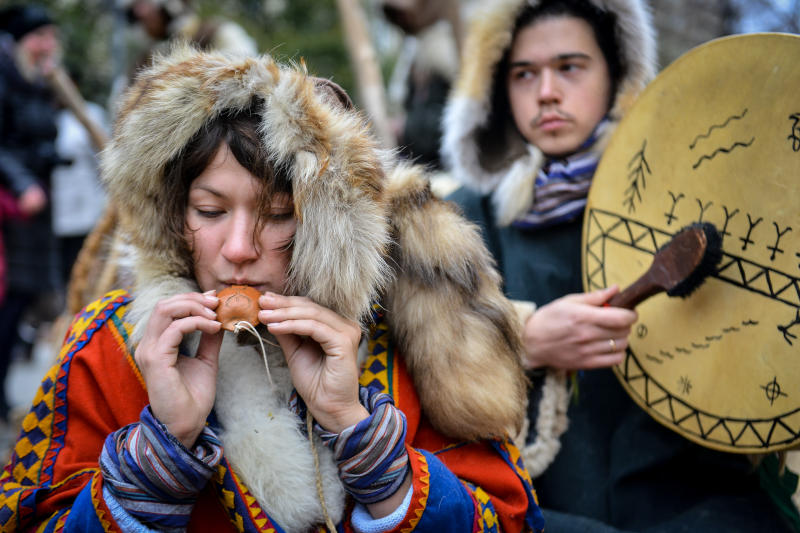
(550, 122)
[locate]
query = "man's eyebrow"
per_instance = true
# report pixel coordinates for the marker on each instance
(559, 57)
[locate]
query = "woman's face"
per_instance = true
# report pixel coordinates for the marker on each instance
(221, 217)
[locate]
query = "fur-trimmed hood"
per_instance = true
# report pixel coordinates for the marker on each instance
(336, 170)
(368, 229)
(507, 168)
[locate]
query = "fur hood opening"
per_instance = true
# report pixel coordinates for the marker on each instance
(336, 170)
(498, 160)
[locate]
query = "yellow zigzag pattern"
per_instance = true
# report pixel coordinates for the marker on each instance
(488, 516)
(425, 479)
(101, 515)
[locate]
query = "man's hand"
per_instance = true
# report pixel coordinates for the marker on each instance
(577, 332)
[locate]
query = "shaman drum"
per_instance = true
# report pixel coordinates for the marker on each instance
(714, 138)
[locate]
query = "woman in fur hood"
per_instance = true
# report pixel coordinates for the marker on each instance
(542, 87)
(239, 171)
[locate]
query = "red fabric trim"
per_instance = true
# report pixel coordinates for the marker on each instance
(475, 462)
(105, 392)
(421, 483)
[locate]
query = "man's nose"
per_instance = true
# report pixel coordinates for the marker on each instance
(548, 87)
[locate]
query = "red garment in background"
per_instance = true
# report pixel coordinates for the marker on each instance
(8, 210)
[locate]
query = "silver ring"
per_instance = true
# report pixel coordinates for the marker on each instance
(612, 344)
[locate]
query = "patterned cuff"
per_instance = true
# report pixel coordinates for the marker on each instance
(371, 455)
(152, 476)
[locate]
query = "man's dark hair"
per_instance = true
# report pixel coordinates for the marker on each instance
(493, 138)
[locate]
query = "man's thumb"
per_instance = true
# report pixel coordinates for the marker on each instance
(601, 296)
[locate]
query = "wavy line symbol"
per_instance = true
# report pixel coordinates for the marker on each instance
(707, 134)
(724, 150)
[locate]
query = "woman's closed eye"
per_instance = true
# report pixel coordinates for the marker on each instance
(209, 212)
(281, 216)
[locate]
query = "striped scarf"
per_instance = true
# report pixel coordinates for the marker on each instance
(562, 185)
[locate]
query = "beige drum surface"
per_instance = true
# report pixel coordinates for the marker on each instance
(715, 138)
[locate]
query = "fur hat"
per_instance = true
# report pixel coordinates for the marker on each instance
(20, 20)
(368, 229)
(503, 163)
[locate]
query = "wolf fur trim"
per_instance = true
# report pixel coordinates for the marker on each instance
(335, 168)
(508, 168)
(366, 227)
(447, 315)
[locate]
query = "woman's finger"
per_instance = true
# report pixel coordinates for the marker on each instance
(166, 344)
(210, 343)
(276, 308)
(181, 306)
(323, 334)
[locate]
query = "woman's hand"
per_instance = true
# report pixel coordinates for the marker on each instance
(181, 389)
(321, 348)
(577, 332)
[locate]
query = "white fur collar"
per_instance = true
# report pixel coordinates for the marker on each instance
(261, 437)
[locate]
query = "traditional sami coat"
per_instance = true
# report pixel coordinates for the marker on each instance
(53, 481)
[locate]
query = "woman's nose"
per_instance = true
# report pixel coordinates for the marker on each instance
(240, 245)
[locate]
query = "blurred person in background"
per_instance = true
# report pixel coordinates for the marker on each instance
(164, 21)
(27, 157)
(78, 197)
(425, 70)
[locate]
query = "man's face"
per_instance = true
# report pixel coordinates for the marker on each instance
(41, 48)
(558, 83)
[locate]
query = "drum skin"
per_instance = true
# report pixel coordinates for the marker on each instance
(714, 138)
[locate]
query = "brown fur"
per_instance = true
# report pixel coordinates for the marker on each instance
(366, 227)
(450, 317)
(336, 170)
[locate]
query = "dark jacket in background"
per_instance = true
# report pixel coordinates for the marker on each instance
(27, 157)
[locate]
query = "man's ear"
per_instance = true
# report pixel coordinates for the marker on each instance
(332, 93)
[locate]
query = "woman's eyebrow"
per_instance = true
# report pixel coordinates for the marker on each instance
(208, 189)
